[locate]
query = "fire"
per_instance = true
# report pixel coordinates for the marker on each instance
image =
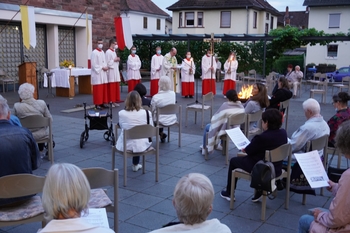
(245, 92)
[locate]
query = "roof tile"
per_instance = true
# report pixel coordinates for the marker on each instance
(146, 6)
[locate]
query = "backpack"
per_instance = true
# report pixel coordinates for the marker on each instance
(263, 177)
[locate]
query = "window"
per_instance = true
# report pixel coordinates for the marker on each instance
(334, 20)
(189, 19)
(255, 19)
(271, 24)
(200, 19)
(267, 16)
(266, 28)
(158, 24)
(180, 19)
(144, 22)
(332, 50)
(225, 19)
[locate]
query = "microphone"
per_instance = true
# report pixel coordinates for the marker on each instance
(26, 56)
(180, 57)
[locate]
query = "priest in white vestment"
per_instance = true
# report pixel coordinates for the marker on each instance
(170, 69)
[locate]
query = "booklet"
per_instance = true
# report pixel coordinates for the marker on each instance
(96, 217)
(238, 138)
(312, 167)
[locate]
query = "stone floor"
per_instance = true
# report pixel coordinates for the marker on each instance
(144, 204)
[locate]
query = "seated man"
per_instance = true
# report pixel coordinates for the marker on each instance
(193, 202)
(294, 78)
(19, 151)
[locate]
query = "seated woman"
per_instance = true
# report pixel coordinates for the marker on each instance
(164, 97)
(340, 102)
(281, 94)
(217, 125)
(30, 106)
(259, 100)
(133, 115)
(193, 202)
(66, 194)
(337, 219)
(272, 137)
(141, 89)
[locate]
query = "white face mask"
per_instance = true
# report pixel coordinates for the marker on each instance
(116, 46)
(188, 56)
(100, 46)
(159, 51)
(133, 51)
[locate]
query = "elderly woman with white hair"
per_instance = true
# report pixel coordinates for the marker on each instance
(30, 106)
(294, 79)
(66, 194)
(193, 202)
(164, 97)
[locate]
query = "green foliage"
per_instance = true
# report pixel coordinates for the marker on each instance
(281, 64)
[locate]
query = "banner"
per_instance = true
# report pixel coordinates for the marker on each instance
(123, 32)
(87, 29)
(28, 26)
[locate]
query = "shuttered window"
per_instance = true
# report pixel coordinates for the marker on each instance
(189, 18)
(225, 21)
(334, 20)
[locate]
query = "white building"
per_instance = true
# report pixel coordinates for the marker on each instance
(331, 16)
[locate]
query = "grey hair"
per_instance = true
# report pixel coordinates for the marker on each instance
(312, 105)
(26, 91)
(342, 138)
(164, 83)
(66, 188)
(193, 198)
(4, 108)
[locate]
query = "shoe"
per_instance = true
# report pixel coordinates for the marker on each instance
(163, 137)
(225, 96)
(98, 107)
(186, 96)
(137, 167)
(191, 96)
(279, 185)
(106, 106)
(257, 196)
(203, 151)
(115, 105)
(219, 147)
(226, 195)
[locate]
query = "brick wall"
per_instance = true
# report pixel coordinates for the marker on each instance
(103, 13)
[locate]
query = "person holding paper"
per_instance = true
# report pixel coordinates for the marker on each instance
(66, 194)
(337, 219)
(271, 138)
(217, 125)
(169, 68)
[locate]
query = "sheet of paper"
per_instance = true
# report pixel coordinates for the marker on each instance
(312, 167)
(238, 138)
(97, 217)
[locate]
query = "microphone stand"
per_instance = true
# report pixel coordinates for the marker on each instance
(36, 75)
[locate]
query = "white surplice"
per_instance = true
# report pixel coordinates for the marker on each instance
(134, 65)
(113, 72)
(98, 60)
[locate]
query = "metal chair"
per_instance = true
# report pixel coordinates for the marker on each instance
(6, 80)
(137, 132)
(274, 155)
(253, 117)
(201, 107)
(284, 107)
(322, 91)
(99, 178)
(343, 85)
(170, 110)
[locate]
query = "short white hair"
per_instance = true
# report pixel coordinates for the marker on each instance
(4, 108)
(26, 91)
(164, 83)
(66, 188)
(312, 105)
(193, 198)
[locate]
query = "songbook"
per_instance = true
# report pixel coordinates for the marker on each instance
(238, 138)
(96, 217)
(312, 167)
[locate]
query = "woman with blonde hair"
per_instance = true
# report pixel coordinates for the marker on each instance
(66, 194)
(134, 115)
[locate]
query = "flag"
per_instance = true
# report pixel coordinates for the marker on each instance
(123, 32)
(28, 26)
(87, 30)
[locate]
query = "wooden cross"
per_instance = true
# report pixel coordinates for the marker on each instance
(212, 40)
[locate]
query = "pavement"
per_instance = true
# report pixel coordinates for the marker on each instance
(144, 204)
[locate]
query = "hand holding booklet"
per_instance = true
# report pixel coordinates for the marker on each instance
(238, 138)
(312, 167)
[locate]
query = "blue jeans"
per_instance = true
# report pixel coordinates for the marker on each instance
(305, 222)
(206, 130)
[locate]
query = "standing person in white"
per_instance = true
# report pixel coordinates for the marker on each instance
(113, 72)
(188, 69)
(230, 68)
(294, 79)
(156, 65)
(99, 79)
(208, 73)
(169, 68)
(133, 73)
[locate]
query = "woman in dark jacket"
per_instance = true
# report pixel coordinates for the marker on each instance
(281, 94)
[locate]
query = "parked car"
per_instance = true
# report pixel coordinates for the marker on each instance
(338, 75)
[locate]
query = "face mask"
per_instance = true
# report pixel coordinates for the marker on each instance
(159, 51)
(188, 56)
(100, 46)
(133, 51)
(209, 54)
(116, 47)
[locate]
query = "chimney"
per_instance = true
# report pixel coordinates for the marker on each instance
(286, 17)
(307, 10)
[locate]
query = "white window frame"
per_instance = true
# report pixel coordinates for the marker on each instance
(189, 16)
(225, 23)
(255, 19)
(198, 14)
(180, 20)
(334, 20)
(333, 52)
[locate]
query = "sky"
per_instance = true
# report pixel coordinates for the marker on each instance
(280, 5)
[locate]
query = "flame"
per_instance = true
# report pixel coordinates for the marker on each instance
(245, 92)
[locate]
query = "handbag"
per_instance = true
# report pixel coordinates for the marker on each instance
(335, 173)
(147, 113)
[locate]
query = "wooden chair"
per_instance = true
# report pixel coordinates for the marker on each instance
(138, 132)
(253, 117)
(37, 121)
(20, 185)
(322, 90)
(99, 178)
(278, 154)
(343, 85)
(251, 76)
(146, 107)
(201, 107)
(169, 110)
(6, 80)
(239, 80)
(284, 107)
(319, 144)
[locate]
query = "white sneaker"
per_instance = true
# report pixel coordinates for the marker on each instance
(137, 167)
(203, 151)
(219, 147)
(201, 147)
